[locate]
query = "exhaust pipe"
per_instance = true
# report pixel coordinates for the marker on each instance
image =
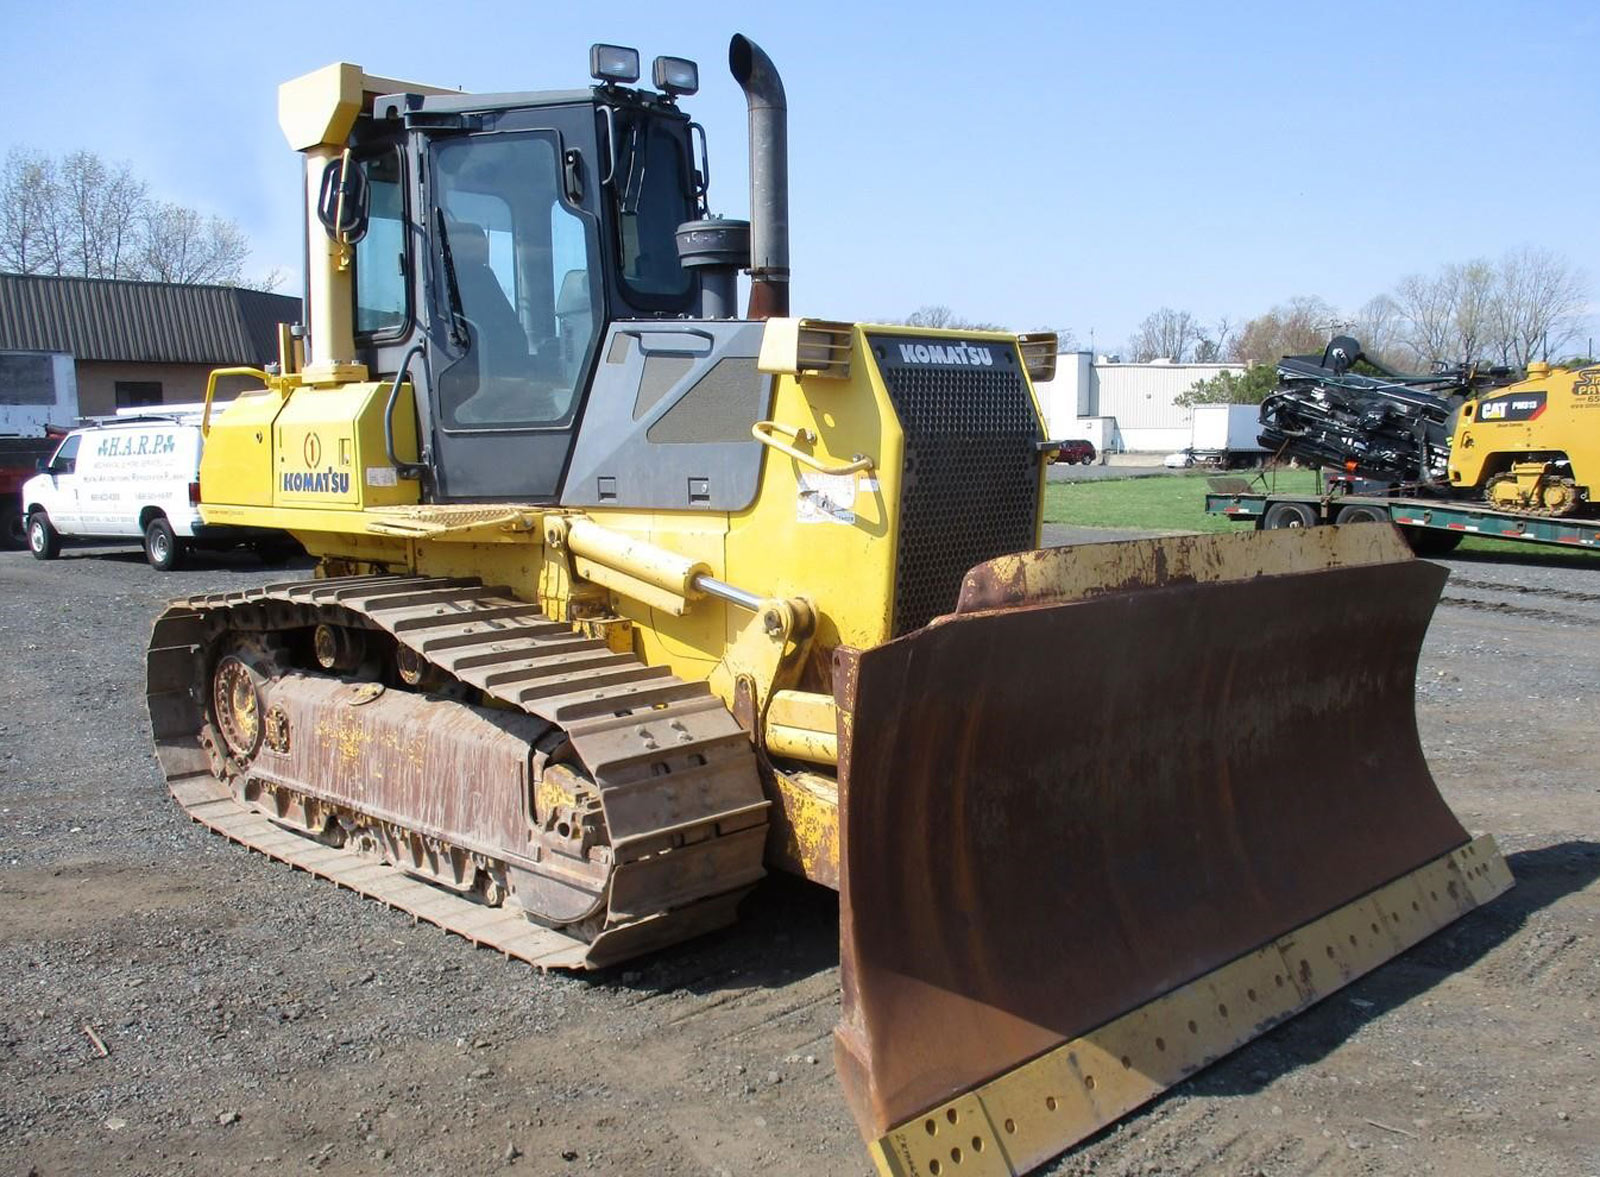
(769, 177)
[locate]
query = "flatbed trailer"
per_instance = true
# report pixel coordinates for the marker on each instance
(1431, 526)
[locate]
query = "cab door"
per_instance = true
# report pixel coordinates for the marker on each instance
(515, 317)
(66, 513)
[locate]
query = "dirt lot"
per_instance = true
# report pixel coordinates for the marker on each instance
(254, 1020)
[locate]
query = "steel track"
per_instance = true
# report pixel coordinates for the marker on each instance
(677, 776)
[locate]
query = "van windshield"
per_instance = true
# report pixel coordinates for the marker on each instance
(66, 457)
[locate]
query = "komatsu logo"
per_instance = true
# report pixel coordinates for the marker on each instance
(960, 355)
(317, 482)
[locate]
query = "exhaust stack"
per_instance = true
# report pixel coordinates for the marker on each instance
(769, 177)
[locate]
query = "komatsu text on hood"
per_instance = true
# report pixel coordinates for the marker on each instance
(949, 355)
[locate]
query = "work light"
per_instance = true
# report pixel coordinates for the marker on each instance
(675, 75)
(613, 63)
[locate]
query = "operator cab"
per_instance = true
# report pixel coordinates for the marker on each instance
(494, 238)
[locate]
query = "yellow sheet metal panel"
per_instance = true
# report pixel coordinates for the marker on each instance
(803, 837)
(691, 642)
(318, 109)
(330, 450)
(828, 537)
(236, 462)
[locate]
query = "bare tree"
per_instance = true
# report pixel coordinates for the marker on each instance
(1378, 325)
(1476, 311)
(1165, 334)
(940, 317)
(1428, 308)
(1539, 298)
(180, 245)
(1474, 285)
(84, 217)
(1296, 327)
(1066, 341)
(28, 237)
(103, 206)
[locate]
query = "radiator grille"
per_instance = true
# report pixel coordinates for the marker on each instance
(970, 487)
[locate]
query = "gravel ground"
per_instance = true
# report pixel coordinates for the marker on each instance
(255, 1021)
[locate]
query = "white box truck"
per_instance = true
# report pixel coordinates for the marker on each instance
(1225, 435)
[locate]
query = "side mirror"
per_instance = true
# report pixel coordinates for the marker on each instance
(43, 466)
(344, 201)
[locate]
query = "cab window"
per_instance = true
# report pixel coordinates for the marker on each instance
(653, 199)
(381, 255)
(518, 259)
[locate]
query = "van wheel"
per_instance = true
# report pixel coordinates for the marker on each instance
(43, 540)
(163, 549)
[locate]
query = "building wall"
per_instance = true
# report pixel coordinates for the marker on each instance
(24, 412)
(180, 383)
(1134, 402)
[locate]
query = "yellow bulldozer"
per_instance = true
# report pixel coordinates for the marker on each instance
(624, 598)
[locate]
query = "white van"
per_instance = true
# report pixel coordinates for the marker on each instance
(136, 475)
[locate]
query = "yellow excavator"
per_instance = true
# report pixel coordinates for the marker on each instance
(623, 598)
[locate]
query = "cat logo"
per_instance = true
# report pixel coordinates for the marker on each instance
(313, 450)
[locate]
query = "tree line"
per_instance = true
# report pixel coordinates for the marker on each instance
(1527, 305)
(82, 216)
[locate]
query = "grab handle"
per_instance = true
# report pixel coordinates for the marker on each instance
(762, 431)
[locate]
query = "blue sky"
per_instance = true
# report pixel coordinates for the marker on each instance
(1027, 163)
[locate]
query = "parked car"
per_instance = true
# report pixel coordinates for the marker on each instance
(1179, 460)
(133, 477)
(1076, 450)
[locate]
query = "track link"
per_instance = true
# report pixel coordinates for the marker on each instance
(675, 774)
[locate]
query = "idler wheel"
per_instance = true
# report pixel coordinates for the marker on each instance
(237, 704)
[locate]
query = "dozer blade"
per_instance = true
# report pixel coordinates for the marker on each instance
(1127, 808)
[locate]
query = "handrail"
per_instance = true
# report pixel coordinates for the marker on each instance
(402, 469)
(762, 431)
(211, 388)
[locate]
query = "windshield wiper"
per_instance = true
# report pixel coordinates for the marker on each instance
(633, 187)
(458, 316)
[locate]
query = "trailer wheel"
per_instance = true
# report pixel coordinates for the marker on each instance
(1288, 515)
(1425, 542)
(1358, 513)
(43, 541)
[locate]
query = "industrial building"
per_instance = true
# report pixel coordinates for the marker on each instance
(127, 344)
(1123, 408)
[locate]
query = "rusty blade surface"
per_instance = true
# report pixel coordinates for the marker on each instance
(1054, 813)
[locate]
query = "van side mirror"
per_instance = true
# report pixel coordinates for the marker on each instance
(43, 466)
(344, 201)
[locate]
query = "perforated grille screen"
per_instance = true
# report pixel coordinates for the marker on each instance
(971, 470)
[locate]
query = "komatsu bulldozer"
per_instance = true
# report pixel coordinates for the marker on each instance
(623, 599)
